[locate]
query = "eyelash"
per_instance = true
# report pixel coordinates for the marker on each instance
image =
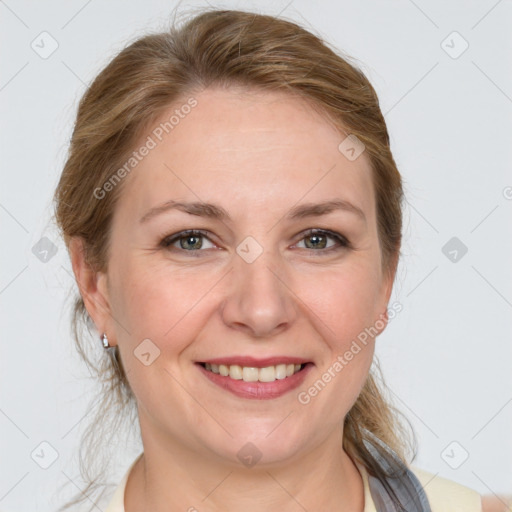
(343, 243)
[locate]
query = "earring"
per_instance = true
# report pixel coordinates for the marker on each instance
(104, 340)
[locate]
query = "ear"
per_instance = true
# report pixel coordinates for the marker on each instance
(93, 288)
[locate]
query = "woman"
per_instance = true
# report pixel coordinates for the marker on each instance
(233, 215)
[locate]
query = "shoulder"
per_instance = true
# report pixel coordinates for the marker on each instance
(445, 495)
(116, 503)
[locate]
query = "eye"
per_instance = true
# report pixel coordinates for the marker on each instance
(317, 240)
(189, 241)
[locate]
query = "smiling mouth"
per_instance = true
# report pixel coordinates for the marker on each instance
(253, 374)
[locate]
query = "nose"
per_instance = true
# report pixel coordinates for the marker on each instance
(260, 301)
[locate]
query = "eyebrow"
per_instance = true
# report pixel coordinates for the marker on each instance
(217, 212)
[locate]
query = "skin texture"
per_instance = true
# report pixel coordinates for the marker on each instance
(496, 503)
(256, 154)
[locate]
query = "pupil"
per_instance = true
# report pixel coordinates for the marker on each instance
(191, 238)
(318, 239)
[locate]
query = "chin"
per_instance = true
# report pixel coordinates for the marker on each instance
(257, 444)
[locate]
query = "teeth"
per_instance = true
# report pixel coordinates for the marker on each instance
(235, 372)
(267, 374)
(280, 371)
(251, 374)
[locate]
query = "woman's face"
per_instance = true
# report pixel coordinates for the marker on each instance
(254, 289)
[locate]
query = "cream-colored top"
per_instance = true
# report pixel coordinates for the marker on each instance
(443, 495)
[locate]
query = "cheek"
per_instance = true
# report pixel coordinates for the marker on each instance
(343, 300)
(166, 307)
(158, 302)
(343, 306)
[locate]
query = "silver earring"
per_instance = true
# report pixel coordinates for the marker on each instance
(104, 339)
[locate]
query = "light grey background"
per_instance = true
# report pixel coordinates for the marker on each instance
(447, 356)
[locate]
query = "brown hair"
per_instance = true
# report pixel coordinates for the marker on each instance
(224, 48)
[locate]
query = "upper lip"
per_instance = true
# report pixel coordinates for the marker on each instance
(254, 362)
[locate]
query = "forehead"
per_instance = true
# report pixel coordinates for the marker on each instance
(247, 147)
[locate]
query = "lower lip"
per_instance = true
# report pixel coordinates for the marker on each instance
(258, 390)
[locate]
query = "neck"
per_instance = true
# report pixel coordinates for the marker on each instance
(175, 478)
